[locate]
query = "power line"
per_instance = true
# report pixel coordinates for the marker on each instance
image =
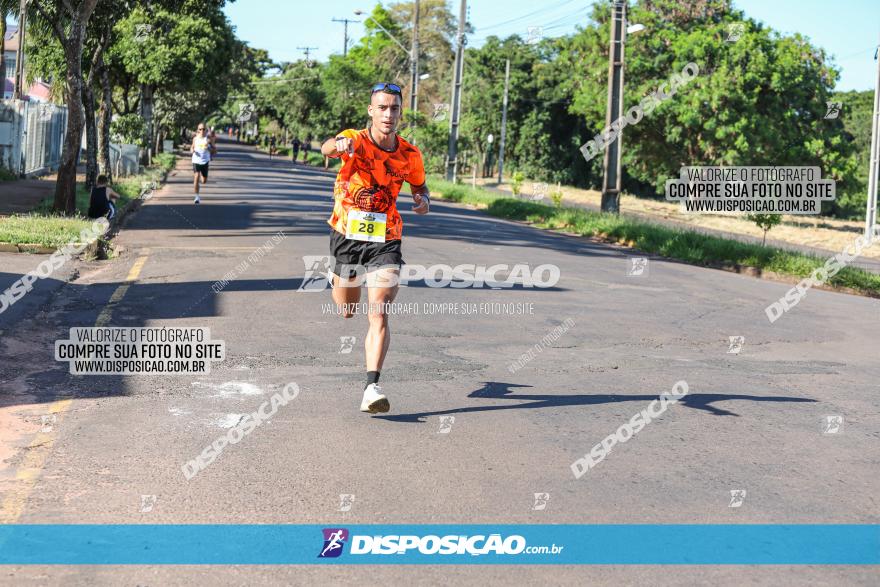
(545, 9)
(856, 54)
(549, 25)
(282, 81)
(562, 19)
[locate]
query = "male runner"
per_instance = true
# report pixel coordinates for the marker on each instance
(200, 148)
(367, 228)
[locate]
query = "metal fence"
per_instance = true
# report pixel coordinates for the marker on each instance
(43, 137)
(124, 159)
(31, 136)
(32, 139)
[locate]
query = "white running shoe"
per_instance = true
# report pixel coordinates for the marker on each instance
(197, 200)
(374, 402)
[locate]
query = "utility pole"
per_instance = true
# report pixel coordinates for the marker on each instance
(451, 161)
(503, 124)
(414, 60)
(345, 41)
(871, 214)
(17, 91)
(611, 183)
(307, 51)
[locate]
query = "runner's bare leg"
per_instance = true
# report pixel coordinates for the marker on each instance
(346, 297)
(379, 335)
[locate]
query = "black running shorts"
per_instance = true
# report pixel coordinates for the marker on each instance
(352, 252)
(201, 168)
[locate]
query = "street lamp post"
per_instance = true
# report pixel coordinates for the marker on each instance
(414, 62)
(455, 106)
(871, 212)
(611, 183)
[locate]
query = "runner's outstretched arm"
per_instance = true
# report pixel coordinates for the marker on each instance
(337, 146)
(422, 198)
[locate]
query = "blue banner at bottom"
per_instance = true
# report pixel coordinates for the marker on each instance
(281, 544)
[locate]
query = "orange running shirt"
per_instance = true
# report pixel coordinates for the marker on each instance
(371, 179)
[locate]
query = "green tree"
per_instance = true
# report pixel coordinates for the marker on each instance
(295, 97)
(765, 222)
(46, 60)
(128, 129)
(757, 101)
(179, 51)
(68, 21)
(437, 29)
(856, 113)
(248, 66)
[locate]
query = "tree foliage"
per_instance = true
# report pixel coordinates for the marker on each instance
(757, 100)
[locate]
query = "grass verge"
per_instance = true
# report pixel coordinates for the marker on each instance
(691, 247)
(47, 229)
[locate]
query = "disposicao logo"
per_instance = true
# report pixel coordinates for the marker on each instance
(334, 540)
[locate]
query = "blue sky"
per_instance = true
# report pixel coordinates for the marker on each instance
(847, 29)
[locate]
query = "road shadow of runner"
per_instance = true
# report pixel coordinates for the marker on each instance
(499, 390)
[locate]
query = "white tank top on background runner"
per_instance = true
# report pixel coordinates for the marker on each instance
(201, 150)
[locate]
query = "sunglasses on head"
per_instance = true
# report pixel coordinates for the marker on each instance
(387, 87)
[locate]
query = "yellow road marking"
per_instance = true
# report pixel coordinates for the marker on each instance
(107, 312)
(38, 450)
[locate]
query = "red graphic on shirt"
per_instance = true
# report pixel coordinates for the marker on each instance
(372, 198)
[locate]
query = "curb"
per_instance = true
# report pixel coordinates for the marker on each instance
(35, 249)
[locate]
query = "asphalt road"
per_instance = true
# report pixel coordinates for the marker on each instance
(752, 421)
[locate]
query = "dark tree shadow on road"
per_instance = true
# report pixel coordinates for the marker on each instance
(498, 390)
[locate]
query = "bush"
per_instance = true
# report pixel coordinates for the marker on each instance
(517, 181)
(128, 129)
(556, 197)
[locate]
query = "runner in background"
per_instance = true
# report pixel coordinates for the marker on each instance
(306, 147)
(295, 149)
(201, 149)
